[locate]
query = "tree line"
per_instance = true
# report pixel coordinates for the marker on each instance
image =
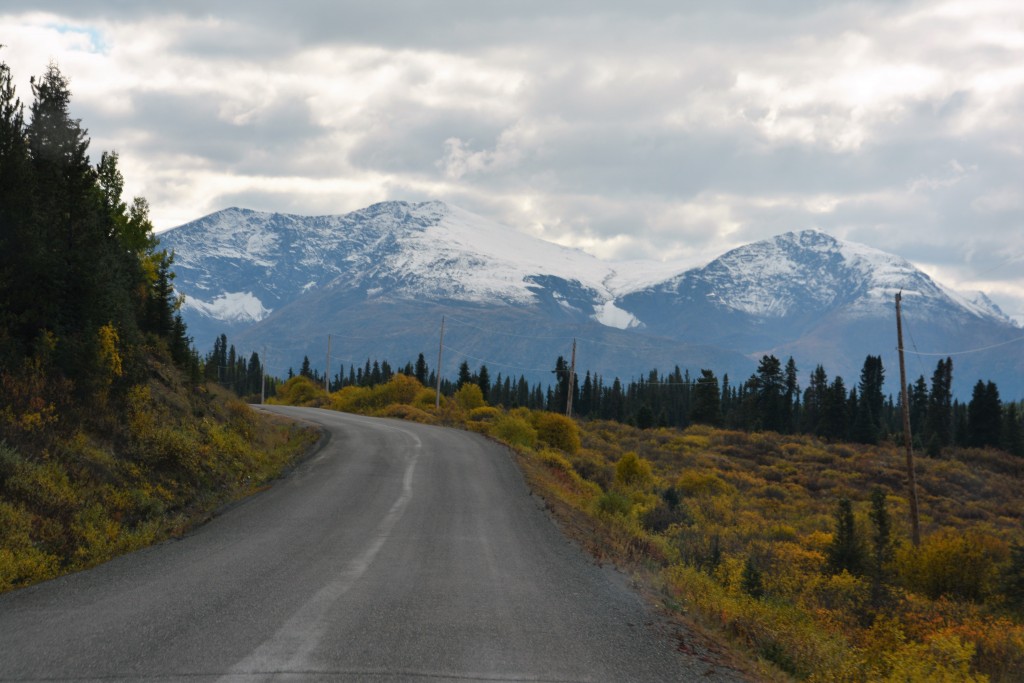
(85, 289)
(771, 399)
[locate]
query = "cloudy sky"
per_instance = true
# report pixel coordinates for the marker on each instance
(671, 129)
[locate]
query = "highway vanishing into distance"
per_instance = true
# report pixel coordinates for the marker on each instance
(396, 552)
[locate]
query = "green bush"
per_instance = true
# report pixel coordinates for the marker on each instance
(613, 503)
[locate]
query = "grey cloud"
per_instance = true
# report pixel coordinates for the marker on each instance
(273, 141)
(623, 110)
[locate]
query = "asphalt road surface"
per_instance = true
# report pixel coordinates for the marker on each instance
(396, 552)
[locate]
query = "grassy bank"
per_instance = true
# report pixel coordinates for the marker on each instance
(75, 496)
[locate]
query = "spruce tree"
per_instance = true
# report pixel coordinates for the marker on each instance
(421, 369)
(792, 401)
(707, 403)
(1013, 431)
(483, 380)
(939, 420)
(465, 376)
(845, 552)
(881, 548)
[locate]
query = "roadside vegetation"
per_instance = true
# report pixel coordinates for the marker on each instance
(793, 549)
(109, 438)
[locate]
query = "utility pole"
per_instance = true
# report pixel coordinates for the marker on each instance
(915, 526)
(440, 349)
(327, 373)
(263, 377)
(572, 380)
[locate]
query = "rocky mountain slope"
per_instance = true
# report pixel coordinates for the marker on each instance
(379, 280)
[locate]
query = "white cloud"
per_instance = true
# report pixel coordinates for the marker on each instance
(644, 131)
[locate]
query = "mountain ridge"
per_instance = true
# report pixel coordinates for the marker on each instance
(806, 292)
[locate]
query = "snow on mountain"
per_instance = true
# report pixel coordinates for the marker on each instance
(611, 315)
(265, 276)
(428, 249)
(462, 256)
(230, 306)
(239, 265)
(798, 272)
(979, 304)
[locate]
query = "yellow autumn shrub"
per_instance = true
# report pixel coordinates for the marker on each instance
(557, 431)
(632, 471)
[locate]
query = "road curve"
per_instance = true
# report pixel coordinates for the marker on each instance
(396, 552)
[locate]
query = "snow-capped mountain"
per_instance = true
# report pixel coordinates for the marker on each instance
(379, 279)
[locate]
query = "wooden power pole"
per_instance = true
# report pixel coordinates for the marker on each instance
(915, 525)
(263, 377)
(440, 350)
(327, 373)
(572, 380)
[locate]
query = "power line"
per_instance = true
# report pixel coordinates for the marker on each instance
(505, 334)
(494, 362)
(961, 353)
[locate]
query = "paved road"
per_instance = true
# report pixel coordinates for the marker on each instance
(396, 552)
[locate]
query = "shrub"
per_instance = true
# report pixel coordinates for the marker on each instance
(469, 397)
(554, 459)
(660, 517)
(960, 564)
(613, 503)
(425, 399)
(592, 467)
(411, 413)
(514, 430)
(634, 472)
(700, 483)
(484, 414)
(399, 389)
(299, 391)
(557, 431)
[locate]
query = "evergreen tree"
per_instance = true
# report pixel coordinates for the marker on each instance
(465, 376)
(561, 391)
(305, 370)
(918, 399)
(253, 375)
(845, 552)
(21, 247)
(483, 380)
(984, 416)
(881, 548)
(815, 398)
(769, 387)
(726, 398)
(421, 369)
(868, 418)
(939, 420)
(751, 581)
(792, 401)
(1013, 431)
(707, 403)
(834, 418)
